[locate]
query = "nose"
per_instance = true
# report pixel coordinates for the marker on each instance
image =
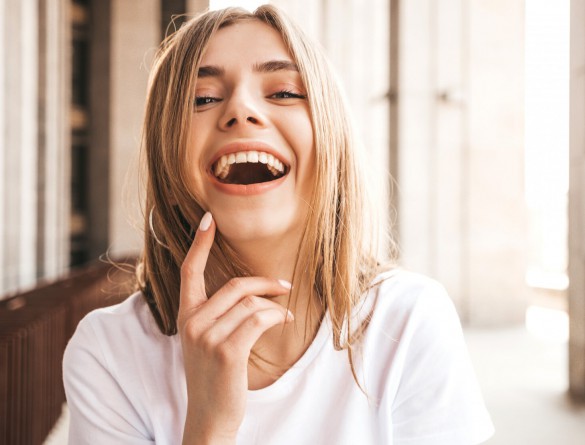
(241, 110)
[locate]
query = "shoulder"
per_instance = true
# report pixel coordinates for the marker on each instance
(417, 349)
(133, 313)
(115, 334)
(399, 293)
(411, 313)
(110, 391)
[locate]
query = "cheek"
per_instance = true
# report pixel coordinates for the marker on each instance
(305, 137)
(300, 134)
(194, 166)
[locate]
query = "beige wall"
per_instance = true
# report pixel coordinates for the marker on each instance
(34, 142)
(497, 209)
(460, 158)
(577, 202)
(462, 212)
(135, 36)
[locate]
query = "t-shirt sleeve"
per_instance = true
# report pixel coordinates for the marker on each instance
(437, 400)
(100, 412)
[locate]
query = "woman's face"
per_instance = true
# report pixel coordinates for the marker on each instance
(251, 153)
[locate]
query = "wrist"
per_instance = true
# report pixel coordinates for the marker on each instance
(196, 436)
(208, 440)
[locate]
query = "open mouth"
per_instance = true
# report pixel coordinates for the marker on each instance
(248, 167)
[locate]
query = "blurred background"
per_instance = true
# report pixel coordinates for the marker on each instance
(471, 113)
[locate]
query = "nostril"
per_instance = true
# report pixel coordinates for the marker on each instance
(233, 121)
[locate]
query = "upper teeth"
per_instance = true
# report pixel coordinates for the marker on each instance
(222, 166)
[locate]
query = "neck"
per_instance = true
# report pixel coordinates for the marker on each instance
(268, 257)
(277, 259)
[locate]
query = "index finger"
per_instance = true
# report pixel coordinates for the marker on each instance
(193, 268)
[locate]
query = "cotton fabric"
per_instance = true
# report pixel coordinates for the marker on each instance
(125, 381)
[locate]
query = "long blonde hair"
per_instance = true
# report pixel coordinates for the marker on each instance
(333, 253)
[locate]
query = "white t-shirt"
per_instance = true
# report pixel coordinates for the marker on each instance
(125, 381)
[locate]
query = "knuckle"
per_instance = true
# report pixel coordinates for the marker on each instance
(257, 319)
(235, 283)
(207, 343)
(189, 328)
(250, 302)
(225, 353)
(186, 270)
(197, 242)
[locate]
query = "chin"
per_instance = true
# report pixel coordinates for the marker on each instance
(248, 226)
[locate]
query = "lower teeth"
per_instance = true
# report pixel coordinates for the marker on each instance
(251, 174)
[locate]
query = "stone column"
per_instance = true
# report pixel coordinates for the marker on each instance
(460, 129)
(197, 6)
(18, 143)
(54, 142)
(577, 202)
(135, 35)
(497, 211)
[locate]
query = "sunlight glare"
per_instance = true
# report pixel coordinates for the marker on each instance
(549, 325)
(250, 5)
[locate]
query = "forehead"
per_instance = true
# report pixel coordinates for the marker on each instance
(245, 42)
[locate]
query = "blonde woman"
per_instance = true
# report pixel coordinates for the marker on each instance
(263, 315)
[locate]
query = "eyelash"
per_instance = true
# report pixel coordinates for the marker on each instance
(201, 101)
(290, 95)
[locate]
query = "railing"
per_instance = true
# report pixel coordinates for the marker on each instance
(34, 330)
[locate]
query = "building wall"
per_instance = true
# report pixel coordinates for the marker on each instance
(34, 140)
(459, 163)
(460, 174)
(35, 133)
(498, 240)
(135, 35)
(577, 202)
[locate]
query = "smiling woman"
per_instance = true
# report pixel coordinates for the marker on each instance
(251, 103)
(262, 313)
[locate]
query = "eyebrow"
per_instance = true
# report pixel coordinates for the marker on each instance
(275, 65)
(210, 71)
(270, 66)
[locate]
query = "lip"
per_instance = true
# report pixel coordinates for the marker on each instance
(249, 189)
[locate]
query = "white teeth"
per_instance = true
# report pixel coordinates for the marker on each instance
(223, 164)
(241, 157)
(253, 156)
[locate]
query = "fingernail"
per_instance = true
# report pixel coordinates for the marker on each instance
(285, 283)
(205, 222)
(289, 316)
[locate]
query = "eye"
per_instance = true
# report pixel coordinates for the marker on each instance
(285, 94)
(201, 101)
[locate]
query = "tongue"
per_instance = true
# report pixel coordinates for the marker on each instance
(248, 173)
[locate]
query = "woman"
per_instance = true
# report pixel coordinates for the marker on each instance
(247, 140)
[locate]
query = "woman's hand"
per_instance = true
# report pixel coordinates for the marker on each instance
(217, 335)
